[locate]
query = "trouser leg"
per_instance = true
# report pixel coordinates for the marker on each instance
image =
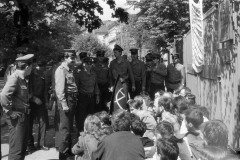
(18, 136)
(32, 115)
(42, 116)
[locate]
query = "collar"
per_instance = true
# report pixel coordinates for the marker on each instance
(64, 64)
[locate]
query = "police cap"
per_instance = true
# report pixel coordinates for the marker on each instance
(134, 51)
(118, 48)
(88, 60)
(83, 55)
(100, 53)
(24, 60)
(69, 53)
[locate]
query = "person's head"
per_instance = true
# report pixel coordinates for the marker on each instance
(69, 56)
(24, 64)
(134, 54)
(117, 50)
(175, 58)
(139, 99)
(87, 63)
(138, 128)
(191, 98)
(167, 149)
(165, 102)
(149, 58)
(134, 117)
(104, 118)
(92, 124)
(121, 120)
(156, 58)
(215, 133)
(106, 61)
(100, 55)
(164, 129)
(213, 153)
(134, 106)
(180, 103)
(194, 118)
(185, 91)
(82, 55)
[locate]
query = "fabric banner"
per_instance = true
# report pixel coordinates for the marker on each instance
(119, 97)
(196, 20)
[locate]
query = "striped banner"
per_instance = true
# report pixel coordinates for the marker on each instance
(196, 20)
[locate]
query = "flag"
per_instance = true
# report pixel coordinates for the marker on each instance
(119, 96)
(196, 20)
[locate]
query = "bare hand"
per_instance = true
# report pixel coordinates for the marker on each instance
(97, 99)
(133, 88)
(110, 89)
(37, 101)
(15, 115)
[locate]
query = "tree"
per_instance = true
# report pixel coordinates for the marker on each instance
(89, 43)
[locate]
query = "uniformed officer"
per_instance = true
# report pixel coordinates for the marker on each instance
(139, 73)
(66, 91)
(148, 66)
(102, 71)
(88, 92)
(158, 74)
(175, 79)
(37, 87)
(15, 103)
(121, 67)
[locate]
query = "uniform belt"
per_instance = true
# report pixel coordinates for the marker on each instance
(74, 94)
(22, 110)
(176, 82)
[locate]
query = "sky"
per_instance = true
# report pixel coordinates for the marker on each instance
(107, 12)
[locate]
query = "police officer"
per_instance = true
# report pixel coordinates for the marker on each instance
(102, 71)
(88, 92)
(158, 74)
(15, 103)
(139, 73)
(38, 108)
(66, 92)
(121, 67)
(148, 66)
(175, 79)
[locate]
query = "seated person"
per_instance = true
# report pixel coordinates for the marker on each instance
(139, 128)
(105, 122)
(88, 140)
(167, 149)
(121, 144)
(145, 116)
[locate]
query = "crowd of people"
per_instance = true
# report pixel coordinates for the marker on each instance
(161, 119)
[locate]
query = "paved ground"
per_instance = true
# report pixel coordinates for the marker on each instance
(52, 154)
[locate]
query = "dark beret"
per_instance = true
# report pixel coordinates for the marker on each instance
(117, 47)
(134, 51)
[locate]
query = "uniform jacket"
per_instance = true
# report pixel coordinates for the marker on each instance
(102, 72)
(122, 145)
(64, 83)
(123, 69)
(139, 71)
(15, 94)
(158, 74)
(174, 76)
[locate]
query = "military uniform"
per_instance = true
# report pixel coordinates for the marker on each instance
(15, 102)
(175, 75)
(87, 89)
(158, 74)
(37, 87)
(66, 92)
(102, 71)
(148, 67)
(139, 73)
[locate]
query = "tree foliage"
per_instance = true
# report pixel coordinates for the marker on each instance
(89, 43)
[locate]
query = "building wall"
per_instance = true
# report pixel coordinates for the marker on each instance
(217, 87)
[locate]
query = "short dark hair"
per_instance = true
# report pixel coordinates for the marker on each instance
(121, 120)
(104, 117)
(134, 117)
(194, 116)
(135, 104)
(165, 102)
(168, 149)
(138, 128)
(165, 129)
(216, 133)
(180, 103)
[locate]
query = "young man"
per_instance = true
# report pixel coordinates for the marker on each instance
(139, 73)
(66, 92)
(15, 103)
(88, 91)
(175, 75)
(121, 144)
(122, 68)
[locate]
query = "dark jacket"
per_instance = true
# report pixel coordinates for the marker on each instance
(121, 145)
